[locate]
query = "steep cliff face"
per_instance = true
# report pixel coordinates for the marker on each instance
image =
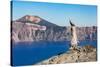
(34, 28)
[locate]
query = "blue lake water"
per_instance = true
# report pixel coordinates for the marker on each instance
(26, 53)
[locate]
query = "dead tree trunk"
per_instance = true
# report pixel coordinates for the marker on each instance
(74, 41)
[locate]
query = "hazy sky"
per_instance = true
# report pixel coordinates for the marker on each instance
(82, 15)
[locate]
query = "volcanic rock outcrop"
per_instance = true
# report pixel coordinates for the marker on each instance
(84, 54)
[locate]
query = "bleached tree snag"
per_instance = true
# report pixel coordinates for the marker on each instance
(74, 41)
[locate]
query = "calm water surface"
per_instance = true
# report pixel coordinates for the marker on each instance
(26, 53)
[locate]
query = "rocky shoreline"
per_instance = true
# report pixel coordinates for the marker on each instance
(83, 54)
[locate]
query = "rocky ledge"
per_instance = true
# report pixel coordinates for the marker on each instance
(82, 54)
